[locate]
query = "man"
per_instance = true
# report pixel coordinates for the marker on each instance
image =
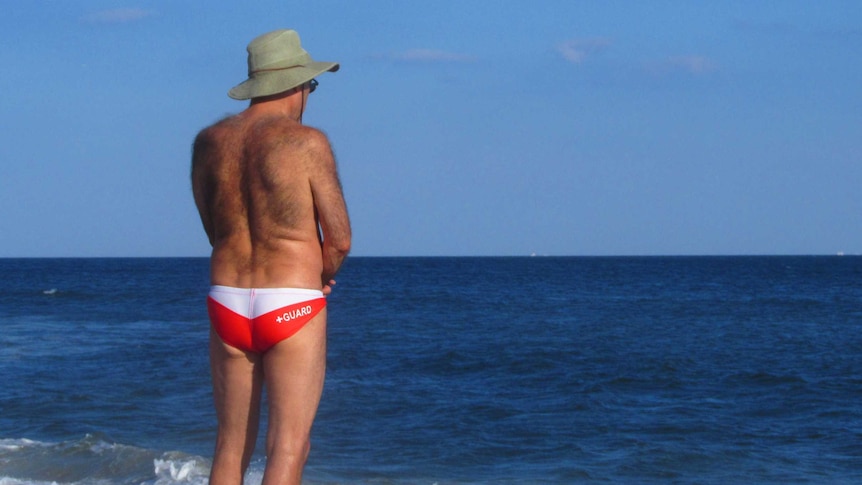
(271, 203)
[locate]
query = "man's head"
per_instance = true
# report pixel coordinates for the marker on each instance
(278, 63)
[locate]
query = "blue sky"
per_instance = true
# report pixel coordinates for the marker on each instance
(460, 127)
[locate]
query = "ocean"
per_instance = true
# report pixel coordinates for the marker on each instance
(540, 370)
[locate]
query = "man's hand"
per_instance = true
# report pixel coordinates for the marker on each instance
(327, 288)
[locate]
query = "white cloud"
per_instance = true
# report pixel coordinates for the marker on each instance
(577, 50)
(117, 16)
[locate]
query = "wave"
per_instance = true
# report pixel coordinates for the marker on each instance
(95, 460)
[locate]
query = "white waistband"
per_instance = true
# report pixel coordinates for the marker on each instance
(253, 302)
(266, 291)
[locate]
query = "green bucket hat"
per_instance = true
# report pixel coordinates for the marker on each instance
(277, 63)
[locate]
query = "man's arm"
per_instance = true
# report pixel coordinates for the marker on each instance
(199, 185)
(330, 206)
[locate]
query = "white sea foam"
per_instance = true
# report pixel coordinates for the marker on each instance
(253, 477)
(95, 461)
(173, 468)
(17, 444)
(15, 481)
(176, 468)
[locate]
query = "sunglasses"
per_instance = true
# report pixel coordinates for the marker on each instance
(312, 85)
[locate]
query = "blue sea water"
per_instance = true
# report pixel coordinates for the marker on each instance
(456, 370)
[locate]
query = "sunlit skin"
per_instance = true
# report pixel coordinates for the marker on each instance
(270, 201)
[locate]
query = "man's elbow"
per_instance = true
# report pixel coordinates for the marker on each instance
(341, 246)
(337, 244)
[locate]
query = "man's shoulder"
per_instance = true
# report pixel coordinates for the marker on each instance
(316, 138)
(287, 132)
(218, 129)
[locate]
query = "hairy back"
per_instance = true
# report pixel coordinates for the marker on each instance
(252, 185)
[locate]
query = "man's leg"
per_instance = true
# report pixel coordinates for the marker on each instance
(237, 378)
(294, 370)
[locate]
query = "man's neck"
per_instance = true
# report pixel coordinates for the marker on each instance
(288, 104)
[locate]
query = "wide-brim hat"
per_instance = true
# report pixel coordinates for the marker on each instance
(278, 63)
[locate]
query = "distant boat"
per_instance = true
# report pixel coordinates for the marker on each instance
(50, 292)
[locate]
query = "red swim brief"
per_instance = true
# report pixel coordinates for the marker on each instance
(255, 319)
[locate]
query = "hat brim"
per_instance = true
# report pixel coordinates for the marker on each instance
(267, 83)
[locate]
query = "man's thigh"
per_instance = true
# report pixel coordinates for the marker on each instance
(294, 371)
(237, 379)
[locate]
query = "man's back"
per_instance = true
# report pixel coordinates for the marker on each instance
(261, 181)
